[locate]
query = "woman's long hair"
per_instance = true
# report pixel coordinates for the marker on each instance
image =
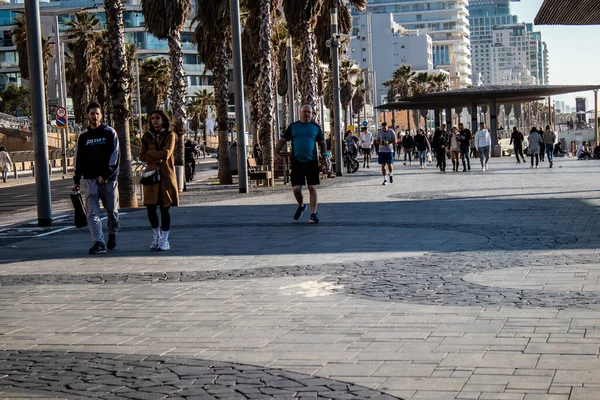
(165, 120)
(534, 129)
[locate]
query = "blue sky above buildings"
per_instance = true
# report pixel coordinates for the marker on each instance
(573, 50)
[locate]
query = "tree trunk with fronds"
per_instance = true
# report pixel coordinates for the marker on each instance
(309, 81)
(119, 93)
(178, 92)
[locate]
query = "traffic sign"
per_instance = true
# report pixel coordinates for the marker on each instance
(61, 112)
(365, 123)
(61, 122)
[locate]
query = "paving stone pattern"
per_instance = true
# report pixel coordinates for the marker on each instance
(434, 279)
(113, 376)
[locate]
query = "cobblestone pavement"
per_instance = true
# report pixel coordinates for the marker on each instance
(439, 286)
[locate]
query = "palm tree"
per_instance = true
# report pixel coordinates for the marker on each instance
(518, 112)
(154, 82)
(15, 100)
(165, 19)
(399, 85)
(358, 100)
(301, 16)
(119, 93)
(83, 61)
(259, 25)
(213, 37)
(348, 74)
(437, 83)
(419, 84)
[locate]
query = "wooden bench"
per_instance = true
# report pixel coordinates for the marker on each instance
(258, 173)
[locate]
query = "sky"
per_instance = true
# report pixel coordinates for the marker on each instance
(573, 52)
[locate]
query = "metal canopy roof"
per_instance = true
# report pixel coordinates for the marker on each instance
(482, 95)
(568, 12)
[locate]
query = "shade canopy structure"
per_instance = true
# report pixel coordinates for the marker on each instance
(568, 12)
(483, 95)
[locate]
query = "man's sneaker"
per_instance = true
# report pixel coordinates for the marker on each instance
(391, 179)
(384, 182)
(164, 246)
(299, 212)
(112, 241)
(314, 219)
(98, 248)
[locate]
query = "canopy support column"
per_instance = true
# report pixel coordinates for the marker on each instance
(494, 129)
(448, 118)
(474, 117)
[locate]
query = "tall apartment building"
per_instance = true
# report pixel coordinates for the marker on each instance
(489, 21)
(382, 45)
(445, 21)
(135, 33)
(515, 57)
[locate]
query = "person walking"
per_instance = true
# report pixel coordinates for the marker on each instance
(386, 139)
(422, 144)
(465, 146)
(366, 142)
(516, 139)
(542, 147)
(158, 145)
(534, 143)
(96, 171)
(454, 143)
(549, 137)
(304, 135)
(440, 141)
(483, 142)
(408, 143)
(5, 163)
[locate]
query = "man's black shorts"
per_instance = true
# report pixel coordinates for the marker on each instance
(305, 173)
(366, 151)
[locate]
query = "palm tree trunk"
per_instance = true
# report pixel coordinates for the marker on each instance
(284, 113)
(268, 100)
(119, 93)
(178, 92)
(221, 96)
(309, 82)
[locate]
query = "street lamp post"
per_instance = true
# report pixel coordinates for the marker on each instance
(62, 95)
(337, 132)
(139, 96)
(38, 112)
(290, 73)
(238, 80)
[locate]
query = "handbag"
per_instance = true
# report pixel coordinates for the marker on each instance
(150, 178)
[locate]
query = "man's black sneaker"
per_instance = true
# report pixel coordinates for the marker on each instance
(299, 212)
(98, 248)
(112, 241)
(314, 219)
(391, 179)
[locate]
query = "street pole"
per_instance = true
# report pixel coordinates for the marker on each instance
(290, 72)
(337, 132)
(596, 117)
(238, 81)
(38, 112)
(62, 95)
(139, 96)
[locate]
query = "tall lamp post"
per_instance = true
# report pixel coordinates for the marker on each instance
(334, 43)
(38, 112)
(238, 78)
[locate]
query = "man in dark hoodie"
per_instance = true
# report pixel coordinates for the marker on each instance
(96, 171)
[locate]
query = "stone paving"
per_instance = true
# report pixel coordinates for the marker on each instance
(439, 286)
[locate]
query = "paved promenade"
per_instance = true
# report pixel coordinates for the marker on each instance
(438, 286)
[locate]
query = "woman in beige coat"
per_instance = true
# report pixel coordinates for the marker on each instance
(156, 151)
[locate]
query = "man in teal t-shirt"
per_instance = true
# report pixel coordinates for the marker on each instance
(304, 135)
